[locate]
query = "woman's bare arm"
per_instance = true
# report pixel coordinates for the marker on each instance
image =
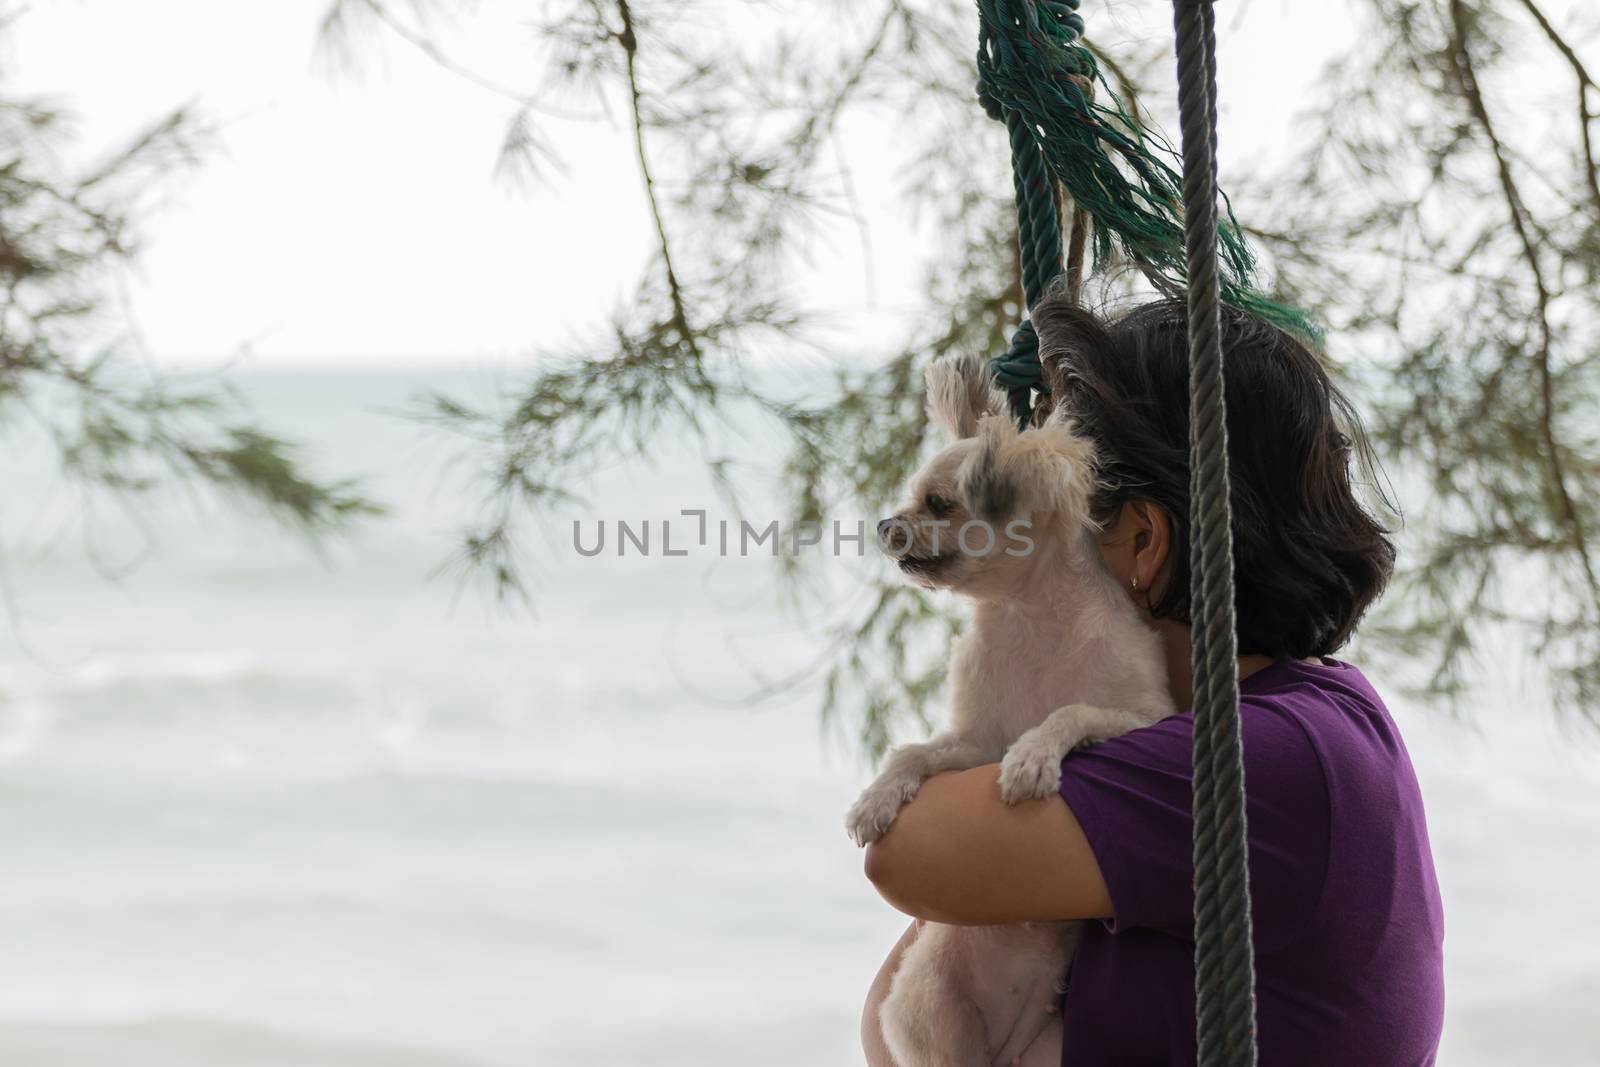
(959, 854)
(871, 1031)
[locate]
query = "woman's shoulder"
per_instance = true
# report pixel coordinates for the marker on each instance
(1320, 731)
(1330, 703)
(1309, 729)
(1133, 797)
(1291, 709)
(1312, 682)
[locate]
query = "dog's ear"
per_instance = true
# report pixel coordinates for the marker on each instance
(1047, 468)
(960, 392)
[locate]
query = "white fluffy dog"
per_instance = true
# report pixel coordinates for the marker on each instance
(1056, 657)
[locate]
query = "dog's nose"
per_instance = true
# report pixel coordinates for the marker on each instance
(894, 536)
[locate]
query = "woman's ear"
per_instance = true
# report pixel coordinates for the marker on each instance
(1152, 545)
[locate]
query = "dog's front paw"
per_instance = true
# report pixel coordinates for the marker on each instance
(870, 816)
(1031, 768)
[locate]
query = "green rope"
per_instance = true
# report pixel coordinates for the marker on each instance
(1039, 238)
(1033, 73)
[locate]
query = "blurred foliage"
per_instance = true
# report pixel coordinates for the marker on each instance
(1456, 266)
(68, 369)
(1454, 248)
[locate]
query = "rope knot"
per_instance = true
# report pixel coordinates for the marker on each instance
(1018, 372)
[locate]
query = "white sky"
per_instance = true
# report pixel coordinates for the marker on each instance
(355, 220)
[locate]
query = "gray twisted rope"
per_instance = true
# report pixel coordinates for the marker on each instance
(1224, 970)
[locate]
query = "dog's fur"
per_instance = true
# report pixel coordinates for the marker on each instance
(1056, 657)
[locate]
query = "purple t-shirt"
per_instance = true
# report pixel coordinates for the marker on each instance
(1349, 929)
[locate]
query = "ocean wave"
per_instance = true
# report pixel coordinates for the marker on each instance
(180, 1041)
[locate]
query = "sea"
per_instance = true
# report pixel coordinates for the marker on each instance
(270, 801)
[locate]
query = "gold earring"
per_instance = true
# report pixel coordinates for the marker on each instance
(1135, 583)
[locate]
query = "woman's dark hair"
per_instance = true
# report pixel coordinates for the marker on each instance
(1309, 557)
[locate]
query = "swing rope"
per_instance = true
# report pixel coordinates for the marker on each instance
(1225, 1000)
(1039, 236)
(1035, 75)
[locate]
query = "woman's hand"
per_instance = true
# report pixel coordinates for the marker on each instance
(958, 854)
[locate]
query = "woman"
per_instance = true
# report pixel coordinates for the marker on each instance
(1348, 922)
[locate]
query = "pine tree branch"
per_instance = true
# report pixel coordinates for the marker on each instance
(1586, 114)
(1516, 207)
(821, 122)
(523, 143)
(444, 61)
(629, 42)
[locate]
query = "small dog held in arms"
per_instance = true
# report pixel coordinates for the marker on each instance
(1056, 657)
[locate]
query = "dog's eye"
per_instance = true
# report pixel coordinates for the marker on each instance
(937, 504)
